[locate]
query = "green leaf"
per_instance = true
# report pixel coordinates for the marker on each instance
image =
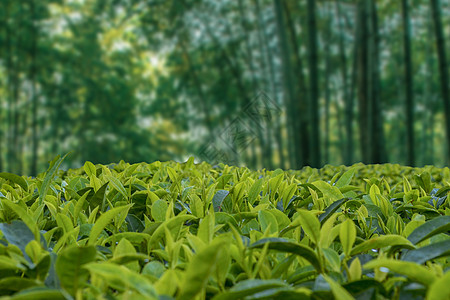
(346, 178)
(328, 191)
(424, 254)
(255, 190)
(206, 228)
(267, 220)
(283, 245)
(121, 278)
(39, 293)
(412, 271)
(249, 287)
(16, 284)
(218, 199)
(173, 225)
(98, 198)
(159, 209)
(310, 224)
(17, 233)
(440, 289)
(69, 267)
(381, 242)
(330, 210)
(117, 185)
(429, 229)
(79, 206)
(347, 235)
(16, 179)
(199, 270)
(54, 166)
(104, 220)
(90, 169)
(338, 291)
(25, 216)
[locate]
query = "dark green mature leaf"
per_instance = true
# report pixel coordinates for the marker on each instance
(26, 218)
(283, 245)
(218, 199)
(17, 233)
(69, 267)
(16, 179)
(250, 287)
(18, 283)
(424, 254)
(98, 198)
(430, 228)
(331, 210)
(53, 168)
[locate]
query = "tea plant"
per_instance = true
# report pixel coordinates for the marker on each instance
(196, 231)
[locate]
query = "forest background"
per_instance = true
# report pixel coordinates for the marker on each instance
(262, 83)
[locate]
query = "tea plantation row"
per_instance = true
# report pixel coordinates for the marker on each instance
(196, 231)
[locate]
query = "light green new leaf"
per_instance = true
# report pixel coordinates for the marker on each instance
(173, 225)
(54, 166)
(199, 270)
(159, 209)
(381, 242)
(117, 185)
(440, 289)
(267, 220)
(412, 271)
(255, 190)
(16, 179)
(310, 224)
(328, 191)
(347, 235)
(206, 228)
(338, 291)
(39, 293)
(104, 220)
(122, 279)
(69, 267)
(346, 178)
(79, 206)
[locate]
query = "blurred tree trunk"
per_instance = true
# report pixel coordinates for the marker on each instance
(269, 82)
(363, 82)
(265, 145)
(35, 140)
(294, 155)
(443, 66)
(380, 154)
(409, 103)
(348, 97)
(300, 106)
(370, 119)
(9, 71)
(314, 88)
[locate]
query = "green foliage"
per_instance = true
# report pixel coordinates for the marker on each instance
(194, 231)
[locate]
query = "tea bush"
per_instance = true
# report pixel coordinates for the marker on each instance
(196, 231)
